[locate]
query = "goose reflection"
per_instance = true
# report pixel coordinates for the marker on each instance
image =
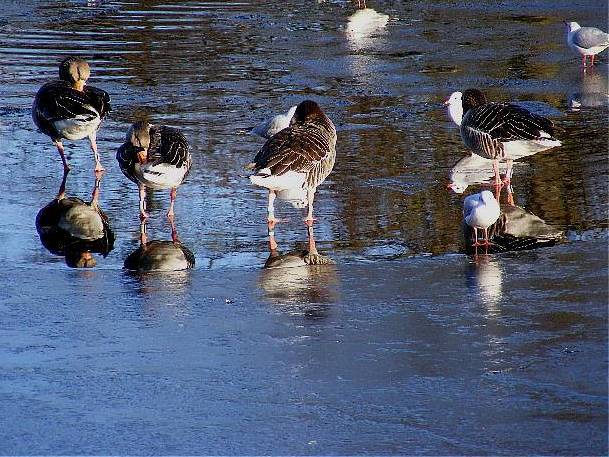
(516, 230)
(160, 255)
(304, 289)
(591, 93)
(75, 229)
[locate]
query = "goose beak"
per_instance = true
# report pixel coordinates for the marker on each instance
(142, 156)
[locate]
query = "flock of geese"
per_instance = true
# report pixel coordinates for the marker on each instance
(297, 157)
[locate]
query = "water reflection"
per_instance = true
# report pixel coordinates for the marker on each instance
(484, 278)
(160, 255)
(516, 229)
(363, 26)
(75, 229)
(592, 91)
(288, 281)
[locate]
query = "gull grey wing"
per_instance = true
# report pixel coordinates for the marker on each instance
(589, 37)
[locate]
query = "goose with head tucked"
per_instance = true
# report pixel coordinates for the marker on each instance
(70, 109)
(499, 131)
(293, 163)
(157, 157)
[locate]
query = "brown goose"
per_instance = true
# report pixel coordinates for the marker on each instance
(67, 108)
(294, 162)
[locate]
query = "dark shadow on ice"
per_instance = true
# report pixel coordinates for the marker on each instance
(515, 230)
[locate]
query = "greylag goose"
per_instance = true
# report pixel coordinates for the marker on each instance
(587, 41)
(70, 227)
(68, 108)
(270, 127)
(293, 163)
(157, 157)
(499, 131)
(480, 211)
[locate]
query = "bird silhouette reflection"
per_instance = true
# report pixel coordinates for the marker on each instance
(75, 229)
(160, 255)
(516, 230)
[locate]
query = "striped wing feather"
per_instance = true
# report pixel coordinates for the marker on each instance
(168, 145)
(298, 148)
(485, 128)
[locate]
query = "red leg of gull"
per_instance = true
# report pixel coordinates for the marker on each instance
(475, 238)
(486, 241)
(98, 165)
(592, 60)
(59, 146)
(172, 199)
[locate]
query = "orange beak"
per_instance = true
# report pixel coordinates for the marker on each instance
(142, 157)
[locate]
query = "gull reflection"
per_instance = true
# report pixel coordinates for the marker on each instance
(471, 170)
(592, 92)
(160, 255)
(364, 25)
(75, 229)
(484, 277)
(288, 281)
(516, 230)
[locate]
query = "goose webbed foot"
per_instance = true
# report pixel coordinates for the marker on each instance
(317, 259)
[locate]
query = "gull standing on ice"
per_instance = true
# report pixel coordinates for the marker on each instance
(587, 41)
(293, 163)
(67, 108)
(480, 211)
(157, 157)
(499, 131)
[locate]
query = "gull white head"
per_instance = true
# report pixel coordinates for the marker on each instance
(455, 107)
(458, 187)
(572, 26)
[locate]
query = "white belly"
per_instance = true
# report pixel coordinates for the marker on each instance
(77, 128)
(483, 216)
(161, 176)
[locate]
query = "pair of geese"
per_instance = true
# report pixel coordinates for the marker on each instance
(293, 162)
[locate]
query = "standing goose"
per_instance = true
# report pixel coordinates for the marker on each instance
(67, 108)
(293, 163)
(480, 211)
(587, 41)
(499, 131)
(157, 157)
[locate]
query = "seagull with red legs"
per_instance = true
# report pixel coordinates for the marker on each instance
(480, 211)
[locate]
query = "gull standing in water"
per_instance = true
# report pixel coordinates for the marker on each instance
(587, 41)
(293, 163)
(157, 157)
(68, 108)
(480, 211)
(499, 131)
